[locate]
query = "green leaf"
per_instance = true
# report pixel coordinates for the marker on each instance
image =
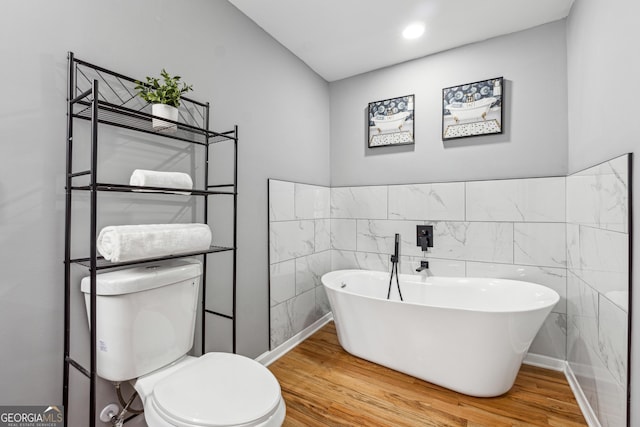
(168, 92)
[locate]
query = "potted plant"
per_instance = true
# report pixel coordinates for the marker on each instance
(164, 97)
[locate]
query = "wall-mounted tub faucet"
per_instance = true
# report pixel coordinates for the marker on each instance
(424, 234)
(423, 266)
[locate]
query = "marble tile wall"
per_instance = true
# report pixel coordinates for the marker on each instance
(598, 286)
(502, 228)
(299, 254)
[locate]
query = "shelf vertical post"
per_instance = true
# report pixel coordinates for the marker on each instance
(67, 236)
(206, 221)
(235, 230)
(93, 250)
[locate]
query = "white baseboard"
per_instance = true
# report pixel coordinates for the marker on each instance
(589, 415)
(268, 357)
(563, 366)
(544, 362)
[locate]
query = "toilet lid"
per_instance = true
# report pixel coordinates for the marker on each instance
(219, 389)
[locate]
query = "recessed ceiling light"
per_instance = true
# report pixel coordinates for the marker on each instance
(413, 31)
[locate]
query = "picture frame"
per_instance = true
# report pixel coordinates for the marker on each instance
(473, 109)
(391, 122)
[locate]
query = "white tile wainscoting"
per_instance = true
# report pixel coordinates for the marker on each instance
(598, 247)
(567, 233)
(299, 254)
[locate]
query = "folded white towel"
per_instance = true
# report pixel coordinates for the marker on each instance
(147, 178)
(118, 243)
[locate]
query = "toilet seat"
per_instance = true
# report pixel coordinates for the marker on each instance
(217, 389)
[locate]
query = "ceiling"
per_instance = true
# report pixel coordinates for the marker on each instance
(342, 38)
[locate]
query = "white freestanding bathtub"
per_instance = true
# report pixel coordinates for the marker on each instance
(474, 110)
(392, 122)
(466, 334)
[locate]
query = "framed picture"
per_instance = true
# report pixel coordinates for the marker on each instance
(391, 122)
(472, 109)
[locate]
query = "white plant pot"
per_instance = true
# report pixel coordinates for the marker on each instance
(165, 111)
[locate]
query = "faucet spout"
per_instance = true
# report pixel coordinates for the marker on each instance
(423, 266)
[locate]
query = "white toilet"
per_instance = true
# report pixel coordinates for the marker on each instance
(145, 327)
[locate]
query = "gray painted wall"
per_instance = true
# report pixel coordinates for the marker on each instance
(533, 64)
(602, 69)
(280, 105)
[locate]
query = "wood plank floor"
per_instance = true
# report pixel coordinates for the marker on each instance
(323, 385)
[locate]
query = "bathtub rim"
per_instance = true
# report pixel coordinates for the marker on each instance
(444, 307)
(402, 115)
(465, 106)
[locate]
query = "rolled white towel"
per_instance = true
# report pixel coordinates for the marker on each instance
(148, 178)
(119, 243)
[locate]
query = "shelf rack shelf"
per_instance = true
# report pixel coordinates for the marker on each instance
(103, 264)
(140, 121)
(104, 97)
(122, 188)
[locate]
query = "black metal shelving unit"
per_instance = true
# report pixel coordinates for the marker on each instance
(104, 97)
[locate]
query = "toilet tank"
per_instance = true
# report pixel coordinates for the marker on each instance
(145, 317)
